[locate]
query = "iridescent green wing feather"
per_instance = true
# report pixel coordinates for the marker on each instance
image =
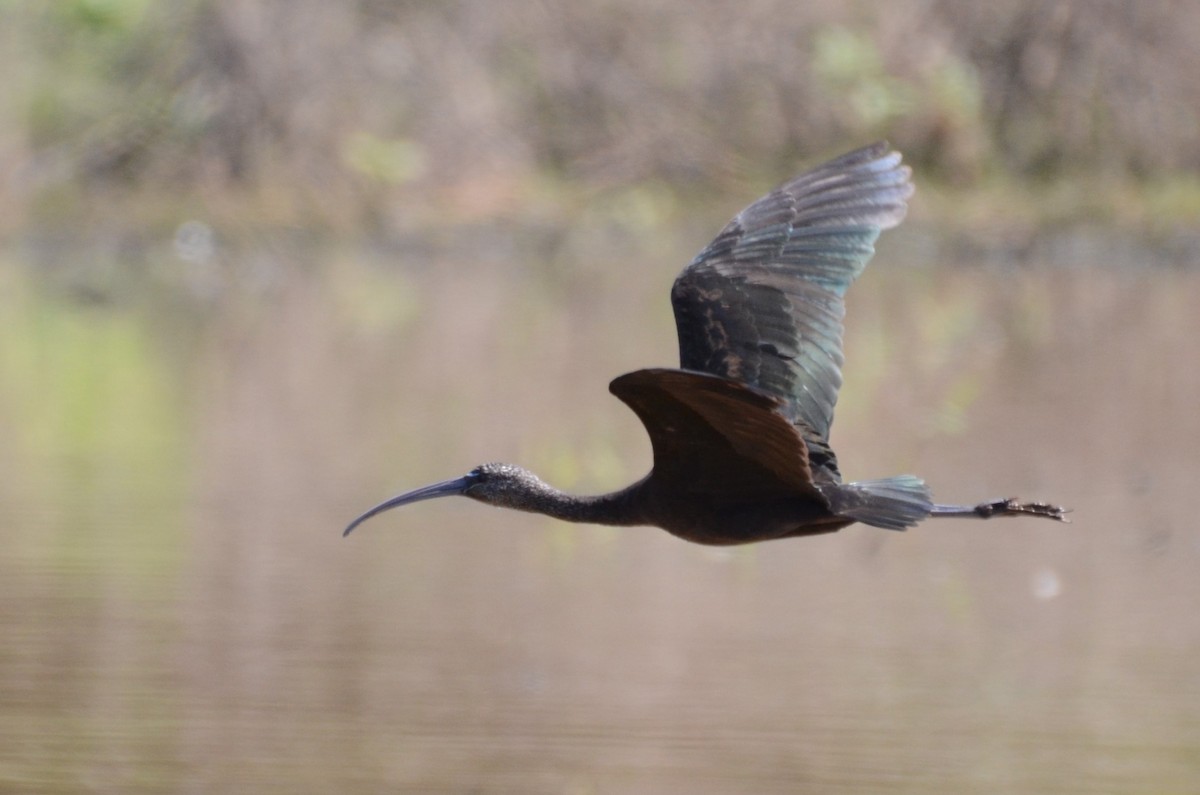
(762, 304)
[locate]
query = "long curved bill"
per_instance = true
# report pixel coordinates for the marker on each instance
(446, 488)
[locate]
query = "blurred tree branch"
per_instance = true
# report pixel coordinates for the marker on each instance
(335, 105)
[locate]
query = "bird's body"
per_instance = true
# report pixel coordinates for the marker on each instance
(740, 432)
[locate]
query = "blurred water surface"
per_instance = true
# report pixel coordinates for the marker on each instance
(180, 613)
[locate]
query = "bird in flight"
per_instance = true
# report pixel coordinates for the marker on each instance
(740, 432)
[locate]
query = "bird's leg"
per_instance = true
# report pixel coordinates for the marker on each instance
(1009, 507)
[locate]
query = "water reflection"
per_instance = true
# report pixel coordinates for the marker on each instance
(180, 613)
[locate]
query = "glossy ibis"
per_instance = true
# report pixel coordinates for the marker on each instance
(740, 432)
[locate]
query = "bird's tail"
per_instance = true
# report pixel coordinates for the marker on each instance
(891, 503)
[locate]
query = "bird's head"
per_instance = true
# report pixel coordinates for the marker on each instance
(505, 485)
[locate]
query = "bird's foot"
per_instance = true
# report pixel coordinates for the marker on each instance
(1011, 507)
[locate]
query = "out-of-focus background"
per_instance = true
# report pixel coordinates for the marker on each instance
(264, 263)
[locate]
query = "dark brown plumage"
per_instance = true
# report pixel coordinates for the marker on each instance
(741, 432)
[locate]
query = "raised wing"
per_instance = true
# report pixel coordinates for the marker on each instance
(717, 437)
(763, 303)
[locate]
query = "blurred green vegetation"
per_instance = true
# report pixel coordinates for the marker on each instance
(94, 420)
(400, 116)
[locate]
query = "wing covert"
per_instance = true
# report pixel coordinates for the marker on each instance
(719, 437)
(762, 304)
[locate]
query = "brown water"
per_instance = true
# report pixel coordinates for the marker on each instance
(180, 613)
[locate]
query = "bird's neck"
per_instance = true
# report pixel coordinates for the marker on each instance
(619, 508)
